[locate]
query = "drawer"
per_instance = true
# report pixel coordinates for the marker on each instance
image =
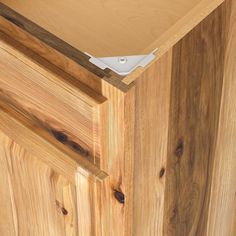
(70, 113)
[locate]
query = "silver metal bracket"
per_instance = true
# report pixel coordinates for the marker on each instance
(122, 65)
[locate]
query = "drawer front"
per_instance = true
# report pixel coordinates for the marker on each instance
(71, 114)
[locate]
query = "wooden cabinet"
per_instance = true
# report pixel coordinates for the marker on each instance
(94, 150)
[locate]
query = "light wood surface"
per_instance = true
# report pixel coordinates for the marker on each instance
(29, 135)
(175, 146)
(115, 116)
(163, 155)
(113, 28)
(36, 199)
(118, 135)
(88, 204)
(222, 214)
(151, 122)
(197, 74)
(44, 96)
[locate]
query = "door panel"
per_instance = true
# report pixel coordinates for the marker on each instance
(35, 199)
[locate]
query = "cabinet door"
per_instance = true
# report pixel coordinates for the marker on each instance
(34, 198)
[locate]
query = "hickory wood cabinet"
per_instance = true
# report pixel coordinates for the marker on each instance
(90, 151)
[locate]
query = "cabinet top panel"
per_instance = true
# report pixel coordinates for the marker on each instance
(109, 28)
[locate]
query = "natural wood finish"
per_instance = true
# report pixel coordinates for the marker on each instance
(44, 39)
(197, 73)
(149, 154)
(117, 189)
(84, 198)
(89, 205)
(114, 28)
(27, 133)
(22, 79)
(106, 205)
(151, 130)
(89, 75)
(116, 126)
(36, 199)
(175, 148)
(222, 214)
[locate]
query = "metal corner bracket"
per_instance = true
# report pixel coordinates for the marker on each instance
(123, 65)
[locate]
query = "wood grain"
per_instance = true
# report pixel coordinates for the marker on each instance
(152, 93)
(7, 222)
(115, 130)
(21, 80)
(117, 189)
(222, 213)
(40, 201)
(126, 28)
(197, 74)
(31, 137)
(36, 49)
(46, 38)
(105, 205)
(161, 149)
(88, 204)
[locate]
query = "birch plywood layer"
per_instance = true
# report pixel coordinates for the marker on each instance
(116, 28)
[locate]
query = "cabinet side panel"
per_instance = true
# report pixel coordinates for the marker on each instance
(222, 215)
(151, 129)
(197, 72)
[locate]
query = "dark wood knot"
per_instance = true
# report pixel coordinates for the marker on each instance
(61, 208)
(120, 197)
(61, 137)
(64, 211)
(179, 151)
(76, 147)
(162, 172)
